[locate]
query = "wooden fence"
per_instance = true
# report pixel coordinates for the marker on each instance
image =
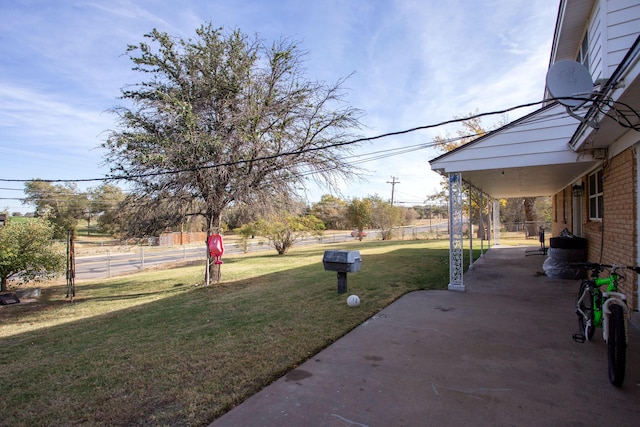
(178, 239)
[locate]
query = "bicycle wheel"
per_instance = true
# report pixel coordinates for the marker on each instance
(617, 345)
(584, 304)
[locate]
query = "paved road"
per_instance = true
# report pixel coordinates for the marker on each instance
(114, 264)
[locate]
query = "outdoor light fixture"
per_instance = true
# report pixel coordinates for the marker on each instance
(577, 190)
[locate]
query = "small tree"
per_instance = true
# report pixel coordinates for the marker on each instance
(62, 205)
(107, 203)
(409, 215)
(332, 211)
(27, 250)
(246, 232)
(284, 231)
(384, 216)
(359, 213)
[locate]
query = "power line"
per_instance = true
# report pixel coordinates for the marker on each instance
(290, 153)
(338, 144)
(407, 195)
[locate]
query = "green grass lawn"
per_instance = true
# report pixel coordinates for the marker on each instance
(156, 349)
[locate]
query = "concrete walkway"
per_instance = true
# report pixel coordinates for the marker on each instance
(499, 354)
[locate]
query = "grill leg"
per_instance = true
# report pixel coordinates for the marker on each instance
(342, 282)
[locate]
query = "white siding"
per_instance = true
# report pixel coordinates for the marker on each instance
(540, 139)
(623, 27)
(612, 27)
(596, 41)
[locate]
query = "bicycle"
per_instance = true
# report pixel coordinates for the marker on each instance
(608, 310)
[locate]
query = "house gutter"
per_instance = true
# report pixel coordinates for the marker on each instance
(556, 33)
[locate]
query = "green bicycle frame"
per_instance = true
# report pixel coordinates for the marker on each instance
(612, 286)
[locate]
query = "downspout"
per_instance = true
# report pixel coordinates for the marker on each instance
(636, 154)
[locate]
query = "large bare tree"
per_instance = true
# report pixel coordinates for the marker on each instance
(225, 118)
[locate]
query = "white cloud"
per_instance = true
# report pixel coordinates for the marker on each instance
(415, 63)
(40, 115)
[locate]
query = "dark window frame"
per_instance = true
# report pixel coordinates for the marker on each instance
(596, 196)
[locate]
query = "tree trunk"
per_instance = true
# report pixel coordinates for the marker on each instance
(529, 216)
(213, 271)
(3, 284)
(480, 233)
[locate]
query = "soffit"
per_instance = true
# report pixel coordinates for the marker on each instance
(570, 28)
(527, 158)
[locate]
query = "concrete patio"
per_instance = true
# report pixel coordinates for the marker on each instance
(499, 354)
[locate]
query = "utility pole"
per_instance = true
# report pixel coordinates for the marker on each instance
(393, 183)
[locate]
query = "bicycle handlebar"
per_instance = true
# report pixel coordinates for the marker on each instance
(599, 267)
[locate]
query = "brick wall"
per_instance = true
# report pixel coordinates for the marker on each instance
(618, 244)
(619, 222)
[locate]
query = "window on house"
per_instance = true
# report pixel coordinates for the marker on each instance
(583, 54)
(595, 196)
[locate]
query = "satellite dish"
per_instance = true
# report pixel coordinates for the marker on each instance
(569, 79)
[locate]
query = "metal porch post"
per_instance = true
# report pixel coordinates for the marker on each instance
(489, 221)
(470, 227)
(481, 215)
(456, 258)
(496, 222)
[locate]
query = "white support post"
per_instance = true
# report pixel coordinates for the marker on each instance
(482, 236)
(489, 222)
(456, 258)
(496, 222)
(470, 228)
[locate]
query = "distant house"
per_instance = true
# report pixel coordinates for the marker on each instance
(588, 159)
(3, 219)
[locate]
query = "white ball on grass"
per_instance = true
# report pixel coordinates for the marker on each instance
(353, 301)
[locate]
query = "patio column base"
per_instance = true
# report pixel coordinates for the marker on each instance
(456, 287)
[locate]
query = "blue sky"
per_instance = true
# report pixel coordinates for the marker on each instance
(414, 63)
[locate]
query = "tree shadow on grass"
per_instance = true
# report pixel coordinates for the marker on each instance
(227, 340)
(407, 268)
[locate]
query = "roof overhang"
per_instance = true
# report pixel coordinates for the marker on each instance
(619, 99)
(527, 158)
(570, 28)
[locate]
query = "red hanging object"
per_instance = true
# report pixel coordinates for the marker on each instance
(216, 247)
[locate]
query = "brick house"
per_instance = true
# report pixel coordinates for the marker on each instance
(586, 156)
